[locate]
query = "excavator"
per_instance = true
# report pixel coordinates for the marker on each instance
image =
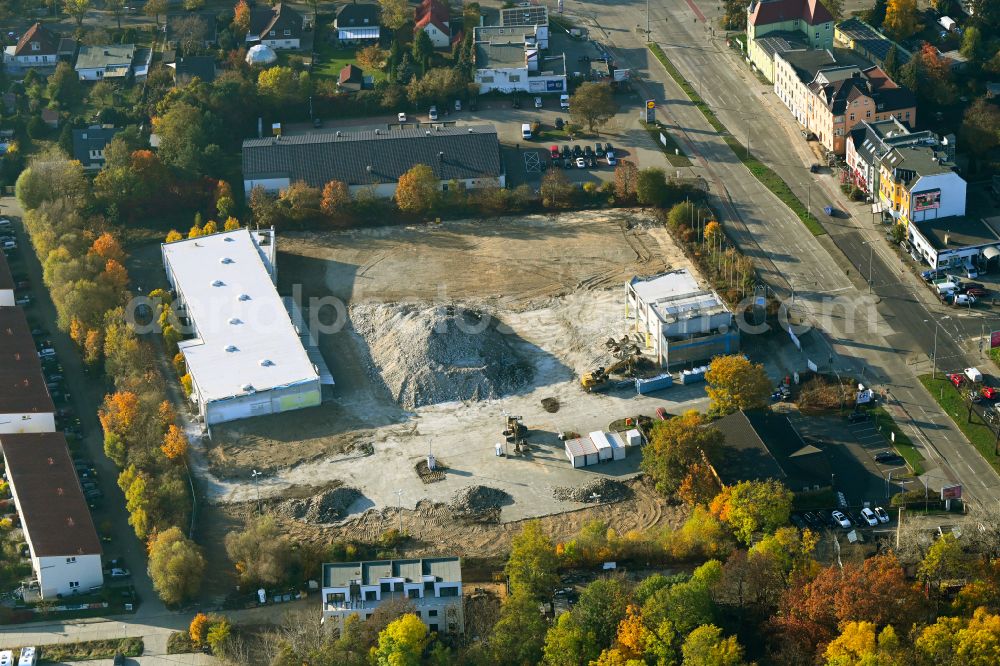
(516, 433)
(600, 378)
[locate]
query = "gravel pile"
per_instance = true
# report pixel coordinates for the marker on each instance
(475, 501)
(440, 354)
(327, 507)
(607, 491)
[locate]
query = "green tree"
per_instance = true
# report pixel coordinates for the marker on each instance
(176, 566)
(875, 16)
(395, 13)
(651, 187)
(532, 564)
(592, 104)
(735, 384)
(972, 44)
(705, 646)
(945, 561)
(401, 643)
(602, 607)
(418, 190)
(685, 605)
(569, 643)
(675, 445)
(77, 9)
(156, 7)
(891, 62)
(64, 86)
(186, 133)
(280, 85)
(423, 50)
(753, 506)
(260, 552)
(981, 126)
(519, 635)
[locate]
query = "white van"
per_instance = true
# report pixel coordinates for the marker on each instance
(29, 657)
(525, 131)
(564, 101)
(6, 658)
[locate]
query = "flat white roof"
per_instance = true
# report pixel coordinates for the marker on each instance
(666, 285)
(246, 341)
(676, 295)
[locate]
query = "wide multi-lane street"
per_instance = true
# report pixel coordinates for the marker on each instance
(892, 333)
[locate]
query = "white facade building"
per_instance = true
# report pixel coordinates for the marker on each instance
(62, 541)
(681, 322)
(511, 66)
(246, 358)
(25, 403)
(432, 585)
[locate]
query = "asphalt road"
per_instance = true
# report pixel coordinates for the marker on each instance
(886, 338)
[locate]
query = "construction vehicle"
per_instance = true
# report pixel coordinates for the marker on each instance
(600, 378)
(515, 433)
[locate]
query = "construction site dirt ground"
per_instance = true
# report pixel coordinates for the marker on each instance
(555, 284)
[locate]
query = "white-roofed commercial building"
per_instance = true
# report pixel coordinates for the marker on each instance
(246, 358)
(682, 323)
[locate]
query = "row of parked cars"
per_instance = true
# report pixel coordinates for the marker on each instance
(954, 289)
(870, 517)
(582, 158)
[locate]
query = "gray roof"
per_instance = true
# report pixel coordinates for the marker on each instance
(533, 15)
(354, 15)
(202, 67)
(871, 41)
(94, 57)
(376, 156)
(495, 55)
(92, 138)
(444, 569)
(779, 42)
(948, 233)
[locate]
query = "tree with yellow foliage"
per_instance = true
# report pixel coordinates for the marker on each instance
(734, 384)
(175, 443)
(196, 231)
(674, 446)
(115, 275)
(173, 236)
(232, 224)
(211, 227)
(418, 190)
(858, 644)
(93, 345)
(749, 507)
(699, 486)
(705, 646)
(401, 643)
(901, 19)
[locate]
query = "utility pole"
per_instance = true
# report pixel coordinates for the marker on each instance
(399, 509)
(256, 475)
(871, 253)
(647, 20)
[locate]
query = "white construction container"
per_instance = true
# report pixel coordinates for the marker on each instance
(633, 437)
(581, 452)
(617, 446)
(600, 440)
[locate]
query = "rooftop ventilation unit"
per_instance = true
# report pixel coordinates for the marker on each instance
(248, 388)
(229, 239)
(235, 320)
(244, 297)
(266, 363)
(226, 260)
(218, 283)
(231, 348)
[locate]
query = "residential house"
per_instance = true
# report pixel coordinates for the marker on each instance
(194, 27)
(50, 117)
(432, 585)
(760, 445)
(38, 47)
(830, 92)
(351, 78)
(372, 161)
(868, 42)
(531, 35)
(191, 67)
(25, 403)
(917, 183)
(279, 27)
(358, 23)
(433, 17)
(507, 65)
(109, 62)
(869, 142)
(62, 541)
(89, 144)
(775, 26)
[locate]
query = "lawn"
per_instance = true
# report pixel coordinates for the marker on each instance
(901, 442)
(86, 650)
(332, 60)
(761, 171)
(672, 151)
(951, 401)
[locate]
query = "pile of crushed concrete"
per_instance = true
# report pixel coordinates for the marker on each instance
(478, 501)
(429, 355)
(598, 491)
(326, 507)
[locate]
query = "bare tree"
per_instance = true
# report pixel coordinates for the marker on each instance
(190, 33)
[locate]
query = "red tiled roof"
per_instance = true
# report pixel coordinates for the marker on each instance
(813, 12)
(47, 41)
(432, 12)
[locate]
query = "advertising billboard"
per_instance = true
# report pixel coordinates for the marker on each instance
(994, 339)
(927, 200)
(951, 492)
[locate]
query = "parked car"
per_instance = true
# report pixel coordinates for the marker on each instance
(119, 659)
(93, 494)
(881, 514)
(401, 117)
(956, 378)
(458, 105)
(577, 152)
(588, 151)
(591, 161)
(840, 519)
(976, 292)
(869, 517)
(611, 159)
(813, 168)
(317, 122)
(433, 113)
(964, 299)
(932, 274)
(554, 152)
(990, 393)
(581, 163)
(8, 244)
(568, 162)
(885, 457)
(559, 123)
(538, 102)
(857, 416)
(583, 58)
(7, 658)
(566, 151)
(120, 573)
(608, 148)
(5, 223)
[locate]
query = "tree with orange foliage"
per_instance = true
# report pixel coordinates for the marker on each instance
(631, 637)
(175, 443)
(675, 445)
(115, 275)
(241, 18)
(336, 195)
(699, 486)
(107, 247)
(93, 347)
(417, 190)
(120, 413)
(77, 331)
(166, 414)
(198, 629)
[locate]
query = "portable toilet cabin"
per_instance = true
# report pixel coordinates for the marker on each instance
(617, 446)
(600, 440)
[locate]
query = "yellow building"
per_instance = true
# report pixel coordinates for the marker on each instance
(774, 26)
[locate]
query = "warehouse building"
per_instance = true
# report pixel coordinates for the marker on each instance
(681, 322)
(25, 403)
(372, 161)
(432, 585)
(246, 358)
(62, 542)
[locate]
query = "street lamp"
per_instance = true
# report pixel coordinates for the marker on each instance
(256, 475)
(399, 509)
(871, 256)
(937, 323)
